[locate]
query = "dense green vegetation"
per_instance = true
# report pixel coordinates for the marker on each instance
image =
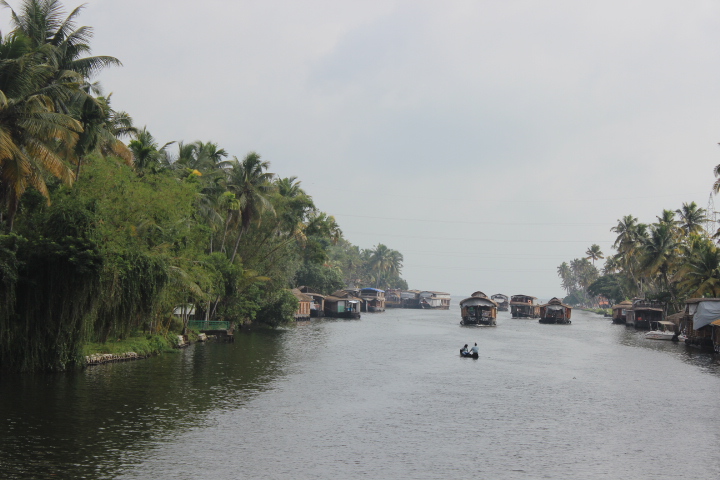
(102, 239)
(671, 259)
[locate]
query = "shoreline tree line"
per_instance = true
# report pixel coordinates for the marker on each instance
(103, 231)
(670, 260)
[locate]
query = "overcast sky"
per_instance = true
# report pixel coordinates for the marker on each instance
(487, 141)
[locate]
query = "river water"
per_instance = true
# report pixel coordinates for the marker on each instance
(386, 396)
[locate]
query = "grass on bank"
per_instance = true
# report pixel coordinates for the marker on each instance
(140, 343)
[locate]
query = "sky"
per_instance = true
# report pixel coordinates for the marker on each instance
(486, 141)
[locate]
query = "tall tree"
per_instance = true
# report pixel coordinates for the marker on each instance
(252, 186)
(594, 253)
(691, 218)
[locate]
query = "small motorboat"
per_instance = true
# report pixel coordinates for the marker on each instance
(467, 354)
(661, 331)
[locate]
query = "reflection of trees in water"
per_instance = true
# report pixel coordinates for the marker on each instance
(86, 424)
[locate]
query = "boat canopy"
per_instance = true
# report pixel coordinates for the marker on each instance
(707, 312)
(477, 301)
(555, 307)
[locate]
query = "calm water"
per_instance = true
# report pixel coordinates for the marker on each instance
(383, 397)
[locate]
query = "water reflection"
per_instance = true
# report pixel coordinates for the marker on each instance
(386, 396)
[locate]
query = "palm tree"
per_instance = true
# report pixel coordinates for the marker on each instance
(660, 252)
(565, 275)
(251, 184)
(380, 261)
(700, 273)
(594, 253)
(145, 151)
(102, 129)
(42, 23)
(33, 137)
(691, 218)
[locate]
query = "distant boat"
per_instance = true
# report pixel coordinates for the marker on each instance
(478, 310)
(555, 312)
(502, 302)
(524, 306)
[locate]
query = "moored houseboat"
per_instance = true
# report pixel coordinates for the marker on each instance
(317, 307)
(619, 312)
(342, 304)
(304, 302)
(479, 310)
(555, 312)
(643, 312)
(524, 306)
(699, 323)
(502, 301)
(434, 300)
(373, 300)
(392, 298)
(410, 298)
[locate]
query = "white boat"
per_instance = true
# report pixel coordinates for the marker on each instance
(659, 335)
(663, 331)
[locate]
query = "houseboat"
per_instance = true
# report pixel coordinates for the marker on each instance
(502, 301)
(392, 298)
(434, 300)
(699, 324)
(555, 312)
(373, 299)
(619, 312)
(643, 312)
(317, 306)
(304, 302)
(524, 306)
(410, 298)
(342, 304)
(479, 310)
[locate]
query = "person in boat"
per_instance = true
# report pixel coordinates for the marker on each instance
(464, 351)
(474, 349)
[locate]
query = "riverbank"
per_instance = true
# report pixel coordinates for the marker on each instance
(132, 348)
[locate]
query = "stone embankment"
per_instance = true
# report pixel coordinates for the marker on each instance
(100, 358)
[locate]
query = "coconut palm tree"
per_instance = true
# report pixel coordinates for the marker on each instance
(252, 186)
(102, 129)
(594, 253)
(147, 155)
(34, 138)
(659, 253)
(691, 218)
(700, 273)
(565, 275)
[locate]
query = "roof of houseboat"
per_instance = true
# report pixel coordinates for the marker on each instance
(698, 300)
(301, 296)
(623, 304)
(675, 318)
(373, 289)
(478, 301)
(478, 294)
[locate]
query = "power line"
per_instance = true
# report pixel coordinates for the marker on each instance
(504, 240)
(465, 222)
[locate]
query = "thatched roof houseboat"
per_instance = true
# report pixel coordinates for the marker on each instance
(700, 322)
(555, 312)
(524, 306)
(373, 299)
(619, 311)
(503, 302)
(304, 302)
(478, 309)
(644, 312)
(410, 298)
(317, 306)
(392, 298)
(342, 304)
(434, 300)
